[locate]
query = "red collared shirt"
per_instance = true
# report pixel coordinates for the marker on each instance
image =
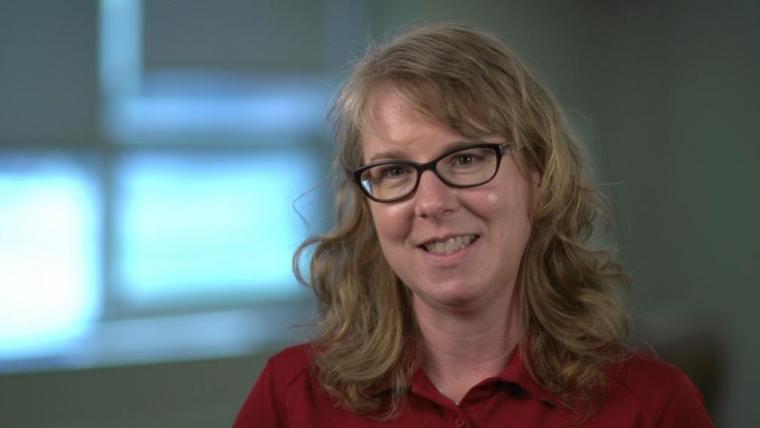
(641, 392)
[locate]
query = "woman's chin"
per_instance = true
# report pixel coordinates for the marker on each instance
(452, 298)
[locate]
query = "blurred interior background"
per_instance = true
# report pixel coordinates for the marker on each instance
(161, 160)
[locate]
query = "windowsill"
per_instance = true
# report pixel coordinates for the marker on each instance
(173, 338)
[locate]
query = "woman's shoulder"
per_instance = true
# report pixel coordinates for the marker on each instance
(281, 385)
(293, 355)
(290, 363)
(662, 390)
(638, 370)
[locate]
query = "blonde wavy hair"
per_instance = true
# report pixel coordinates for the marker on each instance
(367, 344)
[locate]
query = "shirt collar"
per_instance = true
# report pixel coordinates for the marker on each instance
(515, 372)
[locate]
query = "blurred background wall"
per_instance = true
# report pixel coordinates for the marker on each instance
(146, 136)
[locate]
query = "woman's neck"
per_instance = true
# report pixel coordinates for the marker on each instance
(462, 349)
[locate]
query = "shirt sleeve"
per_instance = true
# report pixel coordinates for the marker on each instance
(686, 407)
(261, 408)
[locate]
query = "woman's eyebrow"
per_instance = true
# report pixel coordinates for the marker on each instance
(386, 155)
(399, 155)
(457, 145)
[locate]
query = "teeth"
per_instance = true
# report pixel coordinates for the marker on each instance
(450, 245)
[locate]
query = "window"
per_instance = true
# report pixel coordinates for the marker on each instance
(49, 260)
(173, 237)
(192, 227)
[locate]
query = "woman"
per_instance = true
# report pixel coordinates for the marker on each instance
(460, 285)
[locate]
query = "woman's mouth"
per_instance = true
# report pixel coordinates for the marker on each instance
(450, 245)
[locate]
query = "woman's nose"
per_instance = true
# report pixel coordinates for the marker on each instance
(433, 197)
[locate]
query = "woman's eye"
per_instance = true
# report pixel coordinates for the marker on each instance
(466, 159)
(393, 171)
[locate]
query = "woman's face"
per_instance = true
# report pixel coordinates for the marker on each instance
(486, 228)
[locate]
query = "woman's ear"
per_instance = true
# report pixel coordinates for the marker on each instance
(535, 178)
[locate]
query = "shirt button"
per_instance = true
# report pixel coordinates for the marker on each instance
(459, 422)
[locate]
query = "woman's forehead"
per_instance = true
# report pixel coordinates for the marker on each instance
(389, 103)
(391, 115)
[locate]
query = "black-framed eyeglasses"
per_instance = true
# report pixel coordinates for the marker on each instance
(469, 166)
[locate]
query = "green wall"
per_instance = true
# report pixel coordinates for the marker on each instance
(183, 394)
